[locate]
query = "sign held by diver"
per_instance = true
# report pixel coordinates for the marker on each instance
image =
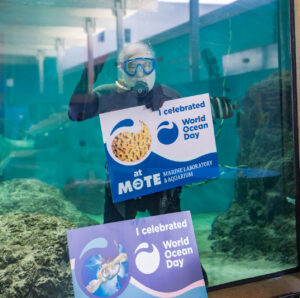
(151, 151)
(155, 256)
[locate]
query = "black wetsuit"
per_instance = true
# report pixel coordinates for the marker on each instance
(107, 98)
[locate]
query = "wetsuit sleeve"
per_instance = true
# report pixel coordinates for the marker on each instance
(83, 105)
(163, 94)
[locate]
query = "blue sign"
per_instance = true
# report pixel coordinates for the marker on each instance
(148, 151)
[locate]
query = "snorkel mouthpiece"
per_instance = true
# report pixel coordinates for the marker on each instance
(141, 88)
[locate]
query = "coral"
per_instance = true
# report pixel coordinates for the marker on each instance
(260, 222)
(34, 258)
(34, 196)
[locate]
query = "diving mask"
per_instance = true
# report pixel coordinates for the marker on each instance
(130, 66)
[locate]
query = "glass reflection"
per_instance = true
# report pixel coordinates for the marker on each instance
(245, 220)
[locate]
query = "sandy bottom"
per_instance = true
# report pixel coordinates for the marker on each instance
(219, 267)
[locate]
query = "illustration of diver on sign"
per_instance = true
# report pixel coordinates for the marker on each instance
(109, 268)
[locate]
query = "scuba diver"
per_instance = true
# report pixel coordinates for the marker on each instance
(135, 86)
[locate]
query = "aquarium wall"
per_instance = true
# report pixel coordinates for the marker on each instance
(53, 170)
(297, 47)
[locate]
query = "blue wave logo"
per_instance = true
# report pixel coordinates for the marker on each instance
(167, 135)
(123, 123)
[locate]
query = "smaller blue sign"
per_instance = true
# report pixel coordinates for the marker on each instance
(148, 257)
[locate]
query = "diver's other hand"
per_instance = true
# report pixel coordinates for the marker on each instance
(154, 103)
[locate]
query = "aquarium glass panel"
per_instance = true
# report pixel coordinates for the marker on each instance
(53, 169)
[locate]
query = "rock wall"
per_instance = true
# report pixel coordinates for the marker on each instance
(34, 219)
(260, 222)
(34, 196)
(34, 258)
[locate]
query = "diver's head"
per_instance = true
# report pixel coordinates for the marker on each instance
(137, 68)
